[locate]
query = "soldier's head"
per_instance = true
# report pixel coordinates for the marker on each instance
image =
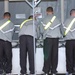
(30, 17)
(49, 10)
(72, 12)
(7, 15)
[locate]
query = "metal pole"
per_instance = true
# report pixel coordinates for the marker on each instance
(37, 3)
(6, 5)
(34, 37)
(29, 3)
(33, 6)
(62, 11)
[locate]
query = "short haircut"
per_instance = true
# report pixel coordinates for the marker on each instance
(73, 10)
(49, 9)
(31, 16)
(7, 14)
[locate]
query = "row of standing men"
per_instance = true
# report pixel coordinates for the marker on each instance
(51, 30)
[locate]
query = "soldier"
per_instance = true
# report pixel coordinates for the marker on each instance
(50, 30)
(6, 33)
(27, 45)
(69, 35)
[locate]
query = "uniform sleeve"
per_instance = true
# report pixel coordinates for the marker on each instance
(64, 26)
(41, 29)
(62, 29)
(12, 26)
(37, 32)
(12, 29)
